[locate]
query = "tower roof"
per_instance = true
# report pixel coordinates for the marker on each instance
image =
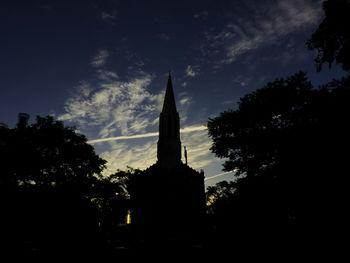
(169, 99)
(169, 144)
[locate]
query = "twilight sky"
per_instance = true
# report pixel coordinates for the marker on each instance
(102, 66)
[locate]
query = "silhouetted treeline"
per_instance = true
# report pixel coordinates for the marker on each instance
(52, 194)
(332, 37)
(288, 144)
(288, 141)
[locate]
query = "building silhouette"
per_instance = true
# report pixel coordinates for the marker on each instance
(168, 197)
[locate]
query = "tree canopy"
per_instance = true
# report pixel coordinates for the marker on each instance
(46, 153)
(285, 143)
(53, 194)
(287, 140)
(332, 37)
(250, 136)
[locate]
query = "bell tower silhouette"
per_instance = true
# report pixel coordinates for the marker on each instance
(168, 199)
(169, 144)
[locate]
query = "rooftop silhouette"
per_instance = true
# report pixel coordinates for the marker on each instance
(169, 196)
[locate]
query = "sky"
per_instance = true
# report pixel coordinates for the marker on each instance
(102, 66)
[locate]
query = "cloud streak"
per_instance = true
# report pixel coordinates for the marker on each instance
(143, 153)
(100, 59)
(262, 26)
(146, 135)
(215, 176)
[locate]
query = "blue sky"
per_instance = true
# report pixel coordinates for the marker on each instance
(102, 66)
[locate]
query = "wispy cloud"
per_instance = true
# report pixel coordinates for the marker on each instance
(100, 59)
(106, 75)
(190, 71)
(261, 27)
(123, 115)
(114, 110)
(109, 17)
(114, 106)
(121, 154)
(201, 14)
(141, 152)
(184, 103)
(164, 36)
(198, 144)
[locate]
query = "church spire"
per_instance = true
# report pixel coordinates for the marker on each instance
(169, 99)
(169, 144)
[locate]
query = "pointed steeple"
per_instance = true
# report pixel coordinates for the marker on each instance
(169, 144)
(169, 99)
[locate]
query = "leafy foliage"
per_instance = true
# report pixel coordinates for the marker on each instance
(48, 154)
(53, 195)
(219, 196)
(251, 136)
(332, 37)
(287, 140)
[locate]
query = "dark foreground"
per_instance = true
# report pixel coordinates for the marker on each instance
(126, 244)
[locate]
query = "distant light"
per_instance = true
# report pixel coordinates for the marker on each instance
(128, 218)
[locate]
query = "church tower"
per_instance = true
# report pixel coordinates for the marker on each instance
(169, 144)
(168, 197)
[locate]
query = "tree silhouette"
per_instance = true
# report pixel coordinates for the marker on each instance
(249, 136)
(113, 198)
(286, 140)
(48, 154)
(332, 37)
(221, 192)
(49, 177)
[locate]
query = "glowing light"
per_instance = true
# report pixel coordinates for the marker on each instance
(128, 218)
(210, 200)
